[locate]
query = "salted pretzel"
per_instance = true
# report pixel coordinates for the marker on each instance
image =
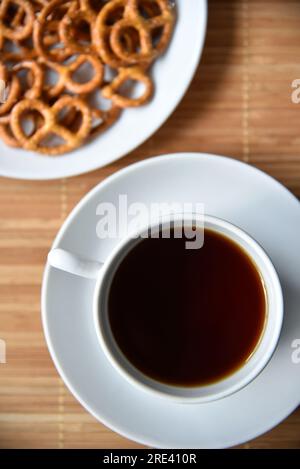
(14, 89)
(108, 18)
(109, 15)
(65, 73)
(35, 78)
(109, 34)
(101, 120)
(22, 31)
(104, 113)
(145, 28)
(56, 8)
(6, 133)
(67, 25)
(165, 21)
(145, 54)
(136, 74)
(50, 126)
(60, 58)
(22, 48)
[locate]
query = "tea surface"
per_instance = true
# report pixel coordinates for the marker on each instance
(187, 317)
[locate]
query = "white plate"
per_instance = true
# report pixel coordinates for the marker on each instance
(172, 75)
(232, 190)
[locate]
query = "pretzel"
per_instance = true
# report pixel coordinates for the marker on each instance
(108, 37)
(103, 115)
(127, 74)
(145, 28)
(117, 39)
(12, 83)
(50, 126)
(65, 73)
(36, 76)
(24, 50)
(166, 21)
(6, 132)
(110, 13)
(146, 52)
(69, 21)
(101, 120)
(21, 31)
(40, 29)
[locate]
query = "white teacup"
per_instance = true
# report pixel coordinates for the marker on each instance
(104, 274)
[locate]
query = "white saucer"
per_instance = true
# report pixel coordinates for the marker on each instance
(231, 190)
(172, 74)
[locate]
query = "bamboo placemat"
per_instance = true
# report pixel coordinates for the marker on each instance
(239, 105)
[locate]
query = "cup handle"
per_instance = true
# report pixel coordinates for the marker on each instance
(69, 262)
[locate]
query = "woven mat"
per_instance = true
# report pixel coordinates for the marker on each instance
(239, 105)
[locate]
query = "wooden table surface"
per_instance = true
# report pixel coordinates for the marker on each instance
(239, 105)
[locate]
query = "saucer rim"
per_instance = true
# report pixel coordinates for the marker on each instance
(260, 429)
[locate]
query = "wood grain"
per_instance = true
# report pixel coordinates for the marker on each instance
(239, 105)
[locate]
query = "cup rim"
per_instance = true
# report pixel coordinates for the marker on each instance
(115, 362)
